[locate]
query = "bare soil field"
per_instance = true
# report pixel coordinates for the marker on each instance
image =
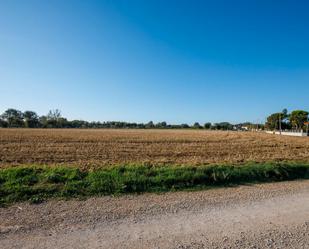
(96, 148)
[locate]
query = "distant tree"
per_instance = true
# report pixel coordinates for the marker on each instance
(53, 119)
(31, 119)
(298, 118)
(95, 124)
(161, 125)
(133, 125)
(54, 114)
(207, 125)
(285, 113)
(3, 123)
(274, 120)
(141, 126)
(184, 126)
(222, 126)
(196, 125)
(13, 118)
(80, 124)
(226, 126)
(43, 121)
(62, 123)
(150, 124)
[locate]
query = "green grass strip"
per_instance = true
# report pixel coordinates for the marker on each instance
(37, 183)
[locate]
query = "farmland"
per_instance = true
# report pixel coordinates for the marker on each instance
(104, 169)
(101, 148)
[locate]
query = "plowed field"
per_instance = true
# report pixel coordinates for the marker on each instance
(95, 148)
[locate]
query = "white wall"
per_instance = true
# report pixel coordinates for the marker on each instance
(289, 133)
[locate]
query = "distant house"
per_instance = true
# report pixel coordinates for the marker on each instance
(245, 128)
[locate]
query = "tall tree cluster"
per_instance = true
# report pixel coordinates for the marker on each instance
(287, 121)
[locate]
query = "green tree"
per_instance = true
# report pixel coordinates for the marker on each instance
(43, 121)
(161, 125)
(31, 119)
(298, 118)
(277, 120)
(207, 125)
(196, 125)
(62, 123)
(3, 123)
(54, 114)
(224, 126)
(184, 126)
(150, 124)
(54, 119)
(13, 118)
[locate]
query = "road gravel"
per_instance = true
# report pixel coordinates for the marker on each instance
(273, 215)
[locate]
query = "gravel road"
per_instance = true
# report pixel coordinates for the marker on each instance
(272, 215)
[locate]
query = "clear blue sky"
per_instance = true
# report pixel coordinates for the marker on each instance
(161, 60)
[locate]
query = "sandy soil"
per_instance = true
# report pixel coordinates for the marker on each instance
(258, 216)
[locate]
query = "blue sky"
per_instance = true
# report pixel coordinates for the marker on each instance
(161, 60)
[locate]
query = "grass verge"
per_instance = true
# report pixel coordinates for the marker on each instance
(36, 183)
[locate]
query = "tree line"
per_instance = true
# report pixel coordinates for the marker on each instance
(13, 118)
(287, 121)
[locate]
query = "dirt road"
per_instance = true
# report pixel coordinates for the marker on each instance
(258, 216)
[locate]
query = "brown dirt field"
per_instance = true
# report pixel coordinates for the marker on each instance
(94, 148)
